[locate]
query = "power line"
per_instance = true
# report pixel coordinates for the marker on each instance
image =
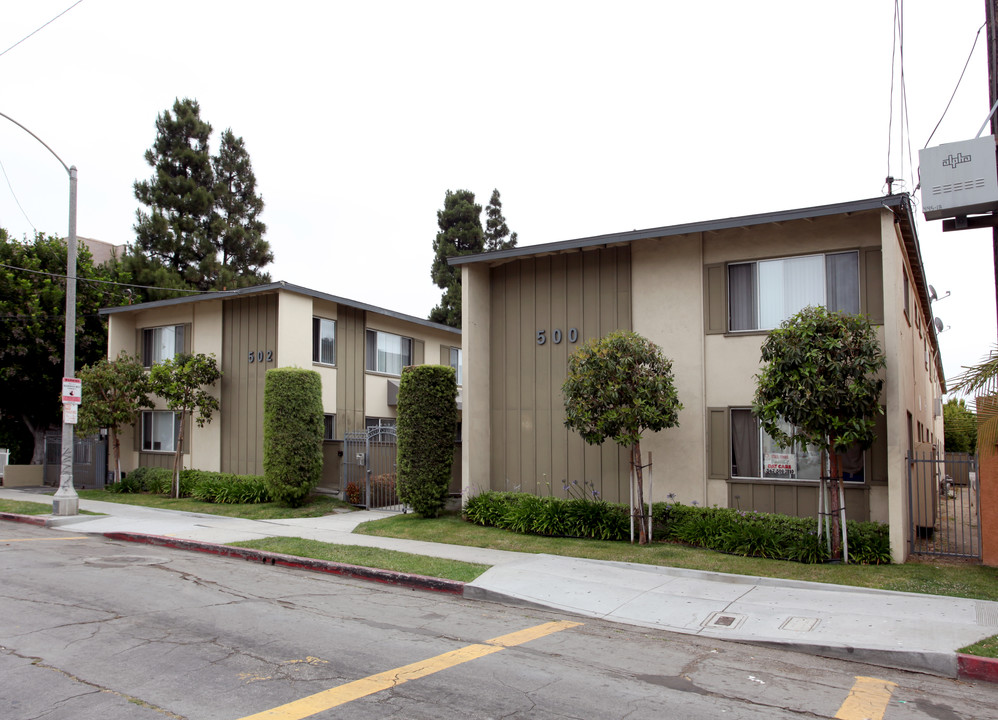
(40, 28)
(14, 195)
(112, 282)
(970, 55)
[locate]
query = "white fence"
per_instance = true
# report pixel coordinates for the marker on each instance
(4, 459)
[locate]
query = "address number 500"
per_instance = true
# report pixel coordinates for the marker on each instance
(556, 336)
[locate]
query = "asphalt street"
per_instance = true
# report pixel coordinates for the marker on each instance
(99, 629)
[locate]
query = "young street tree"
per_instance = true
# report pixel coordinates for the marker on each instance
(181, 382)
(618, 387)
(33, 312)
(202, 222)
(820, 387)
(115, 392)
(460, 233)
(497, 235)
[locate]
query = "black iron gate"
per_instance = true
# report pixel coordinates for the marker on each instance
(369, 468)
(944, 505)
(89, 461)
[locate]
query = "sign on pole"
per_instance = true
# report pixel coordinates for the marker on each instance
(70, 413)
(72, 390)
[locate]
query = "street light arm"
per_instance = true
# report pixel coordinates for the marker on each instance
(38, 139)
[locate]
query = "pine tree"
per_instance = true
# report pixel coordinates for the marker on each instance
(203, 222)
(177, 229)
(460, 224)
(496, 230)
(238, 231)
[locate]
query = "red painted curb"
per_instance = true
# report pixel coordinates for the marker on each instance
(26, 519)
(972, 667)
(390, 577)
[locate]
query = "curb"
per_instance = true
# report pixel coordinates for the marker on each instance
(40, 520)
(389, 577)
(973, 667)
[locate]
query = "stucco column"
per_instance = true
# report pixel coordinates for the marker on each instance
(476, 444)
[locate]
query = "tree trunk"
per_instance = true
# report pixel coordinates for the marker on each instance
(38, 452)
(835, 467)
(639, 476)
(116, 446)
(177, 456)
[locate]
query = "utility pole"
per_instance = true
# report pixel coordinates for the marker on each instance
(65, 501)
(989, 8)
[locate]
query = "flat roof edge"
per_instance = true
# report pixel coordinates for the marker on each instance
(275, 287)
(888, 201)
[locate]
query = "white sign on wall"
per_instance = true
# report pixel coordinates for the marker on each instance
(779, 465)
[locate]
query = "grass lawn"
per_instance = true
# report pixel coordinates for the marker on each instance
(369, 557)
(317, 506)
(963, 580)
(985, 648)
(42, 507)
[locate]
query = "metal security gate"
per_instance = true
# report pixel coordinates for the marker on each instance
(369, 468)
(944, 505)
(89, 461)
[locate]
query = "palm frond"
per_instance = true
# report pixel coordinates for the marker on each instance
(980, 382)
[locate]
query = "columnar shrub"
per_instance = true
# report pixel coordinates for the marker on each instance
(292, 434)
(427, 424)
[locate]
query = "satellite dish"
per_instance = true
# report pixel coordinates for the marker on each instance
(937, 324)
(932, 294)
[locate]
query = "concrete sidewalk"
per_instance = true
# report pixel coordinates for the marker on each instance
(902, 630)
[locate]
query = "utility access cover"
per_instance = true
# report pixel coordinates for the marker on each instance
(724, 620)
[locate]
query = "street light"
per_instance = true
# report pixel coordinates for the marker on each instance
(66, 501)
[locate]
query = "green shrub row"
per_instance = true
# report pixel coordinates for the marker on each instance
(557, 517)
(727, 530)
(292, 434)
(203, 485)
(767, 535)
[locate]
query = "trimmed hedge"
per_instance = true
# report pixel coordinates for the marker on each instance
(204, 485)
(292, 434)
(768, 535)
(427, 424)
(736, 532)
(556, 517)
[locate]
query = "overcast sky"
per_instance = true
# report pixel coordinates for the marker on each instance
(589, 118)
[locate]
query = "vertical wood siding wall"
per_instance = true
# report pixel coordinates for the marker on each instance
(587, 291)
(248, 325)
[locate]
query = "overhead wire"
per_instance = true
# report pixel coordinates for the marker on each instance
(40, 28)
(14, 195)
(112, 282)
(959, 80)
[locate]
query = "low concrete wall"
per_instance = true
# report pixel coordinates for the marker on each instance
(23, 476)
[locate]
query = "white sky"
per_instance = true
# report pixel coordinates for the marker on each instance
(358, 116)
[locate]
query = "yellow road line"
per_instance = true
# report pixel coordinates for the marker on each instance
(382, 681)
(71, 537)
(867, 700)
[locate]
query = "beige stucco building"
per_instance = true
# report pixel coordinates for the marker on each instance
(358, 350)
(706, 293)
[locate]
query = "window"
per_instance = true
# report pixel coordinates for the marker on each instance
(328, 427)
(455, 362)
(388, 353)
(754, 454)
(763, 294)
(160, 430)
(907, 295)
(323, 341)
(161, 343)
(380, 424)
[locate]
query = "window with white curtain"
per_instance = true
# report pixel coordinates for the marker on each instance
(323, 341)
(388, 353)
(160, 430)
(754, 454)
(763, 294)
(455, 362)
(161, 343)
